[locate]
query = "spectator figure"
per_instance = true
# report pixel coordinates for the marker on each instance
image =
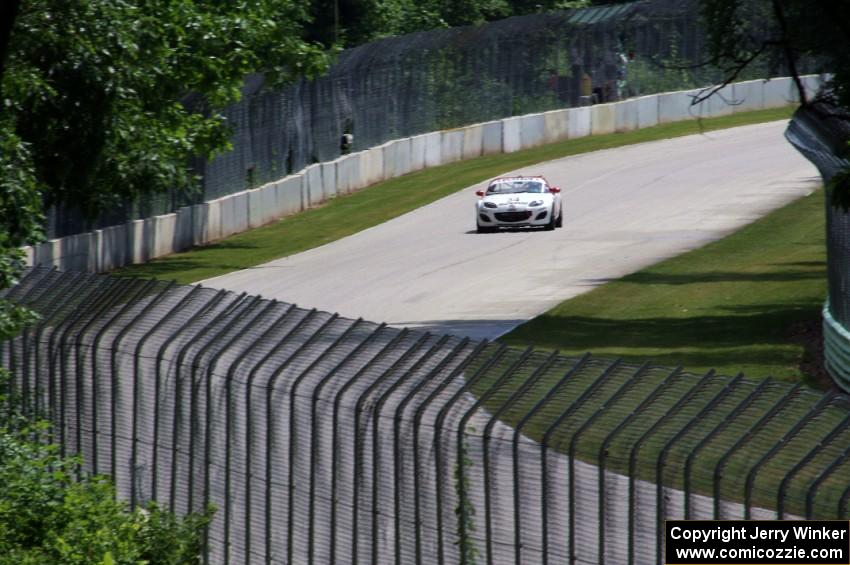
(347, 139)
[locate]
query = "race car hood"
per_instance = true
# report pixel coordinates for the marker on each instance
(517, 199)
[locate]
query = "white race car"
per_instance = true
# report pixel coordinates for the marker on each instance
(518, 201)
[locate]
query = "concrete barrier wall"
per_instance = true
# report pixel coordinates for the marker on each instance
(205, 223)
(433, 149)
(473, 141)
(778, 92)
(647, 111)
(329, 183)
(451, 146)
(397, 158)
(748, 96)
(491, 137)
(675, 107)
(556, 125)
(626, 115)
(602, 119)
(511, 141)
(579, 122)
(347, 174)
(532, 131)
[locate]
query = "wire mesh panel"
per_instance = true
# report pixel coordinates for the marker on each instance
(321, 439)
(430, 81)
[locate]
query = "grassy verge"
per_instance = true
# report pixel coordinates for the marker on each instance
(346, 215)
(743, 303)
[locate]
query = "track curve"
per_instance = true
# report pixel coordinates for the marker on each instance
(624, 209)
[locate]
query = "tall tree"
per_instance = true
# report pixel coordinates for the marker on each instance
(95, 86)
(104, 100)
(741, 31)
(814, 29)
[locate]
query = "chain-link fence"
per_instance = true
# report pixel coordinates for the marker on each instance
(441, 79)
(327, 440)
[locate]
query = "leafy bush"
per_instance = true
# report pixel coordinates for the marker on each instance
(48, 516)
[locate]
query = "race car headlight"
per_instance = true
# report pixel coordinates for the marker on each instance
(535, 203)
(490, 205)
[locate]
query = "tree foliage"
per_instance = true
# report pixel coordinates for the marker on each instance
(348, 23)
(106, 100)
(102, 101)
(113, 97)
(815, 29)
(48, 516)
(785, 31)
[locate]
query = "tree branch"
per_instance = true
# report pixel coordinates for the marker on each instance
(790, 57)
(731, 76)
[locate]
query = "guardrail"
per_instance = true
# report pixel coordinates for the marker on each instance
(141, 240)
(327, 440)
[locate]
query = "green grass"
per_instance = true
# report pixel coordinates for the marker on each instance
(624, 406)
(731, 305)
(350, 214)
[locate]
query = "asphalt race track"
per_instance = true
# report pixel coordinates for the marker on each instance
(624, 209)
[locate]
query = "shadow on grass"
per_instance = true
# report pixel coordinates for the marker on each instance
(698, 341)
(197, 258)
(713, 277)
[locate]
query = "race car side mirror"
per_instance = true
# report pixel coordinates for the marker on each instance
(554, 189)
(479, 192)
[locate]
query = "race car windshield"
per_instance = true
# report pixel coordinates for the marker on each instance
(512, 187)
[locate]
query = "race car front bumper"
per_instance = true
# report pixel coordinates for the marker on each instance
(513, 218)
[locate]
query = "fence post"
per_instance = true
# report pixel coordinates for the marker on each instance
(100, 287)
(379, 405)
(314, 442)
(252, 305)
(157, 382)
(355, 485)
(708, 408)
(117, 290)
(783, 486)
(249, 427)
(659, 487)
(515, 447)
(721, 464)
(115, 348)
(334, 440)
(234, 304)
(628, 384)
(25, 335)
(461, 432)
(438, 425)
(229, 317)
(751, 476)
(743, 405)
(231, 373)
(397, 417)
(488, 429)
(255, 319)
(77, 282)
(603, 455)
(270, 424)
(293, 391)
(357, 411)
(544, 503)
(96, 347)
(825, 474)
(178, 369)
